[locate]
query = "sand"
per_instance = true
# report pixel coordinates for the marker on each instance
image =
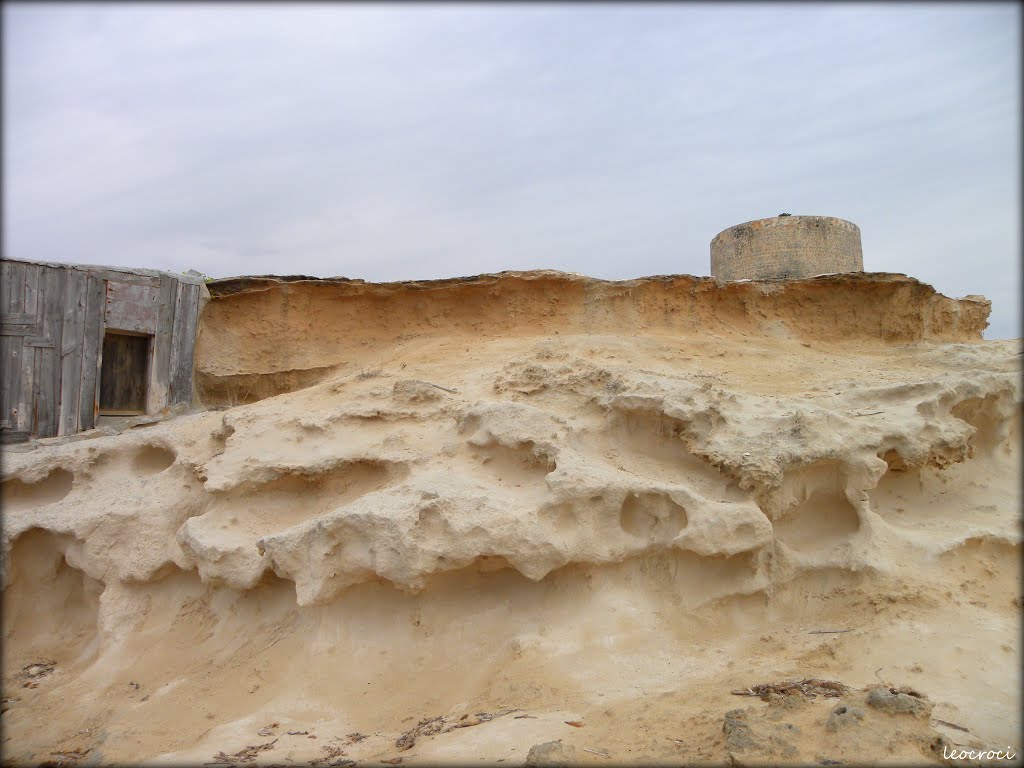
(449, 522)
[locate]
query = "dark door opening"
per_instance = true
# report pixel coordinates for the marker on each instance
(124, 374)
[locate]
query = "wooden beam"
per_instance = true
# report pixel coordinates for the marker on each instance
(183, 343)
(88, 403)
(46, 382)
(132, 307)
(71, 349)
(161, 378)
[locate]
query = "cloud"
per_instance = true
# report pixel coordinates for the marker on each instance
(392, 142)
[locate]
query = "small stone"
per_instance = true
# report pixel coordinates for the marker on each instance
(901, 702)
(843, 716)
(738, 734)
(550, 754)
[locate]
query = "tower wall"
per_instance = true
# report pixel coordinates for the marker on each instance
(786, 247)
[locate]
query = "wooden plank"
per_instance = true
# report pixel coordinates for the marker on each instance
(8, 437)
(28, 368)
(183, 343)
(88, 402)
(71, 349)
(125, 277)
(10, 353)
(160, 380)
(176, 329)
(19, 324)
(14, 288)
(7, 271)
(18, 329)
(46, 381)
(32, 305)
(22, 312)
(132, 307)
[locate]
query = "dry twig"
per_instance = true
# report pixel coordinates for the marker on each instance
(809, 687)
(953, 725)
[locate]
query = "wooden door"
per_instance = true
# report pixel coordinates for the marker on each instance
(124, 373)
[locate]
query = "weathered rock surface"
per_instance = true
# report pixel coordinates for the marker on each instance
(608, 503)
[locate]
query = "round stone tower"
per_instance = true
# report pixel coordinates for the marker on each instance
(788, 247)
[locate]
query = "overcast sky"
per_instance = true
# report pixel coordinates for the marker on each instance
(407, 141)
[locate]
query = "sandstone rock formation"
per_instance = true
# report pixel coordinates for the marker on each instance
(566, 509)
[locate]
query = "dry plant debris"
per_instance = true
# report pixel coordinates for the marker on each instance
(809, 687)
(433, 725)
(247, 755)
(331, 757)
(35, 672)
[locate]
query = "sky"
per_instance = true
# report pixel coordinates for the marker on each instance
(416, 141)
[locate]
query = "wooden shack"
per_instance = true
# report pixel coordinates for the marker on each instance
(80, 341)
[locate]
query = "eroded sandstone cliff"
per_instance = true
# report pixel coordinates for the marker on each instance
(566, 509)
(267, 335)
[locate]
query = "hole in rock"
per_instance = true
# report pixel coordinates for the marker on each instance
(983, 415)
(513, 466)
(561, 517)
(491, 563)
(49, 606)
(17, 495)
(652, 516)
(652, 445)
(895, 461)
(294, 497)
(818, 524)
(152, 459)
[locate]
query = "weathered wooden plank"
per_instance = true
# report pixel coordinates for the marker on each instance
(112, 272)
(13, 289)
(176, 328)
(32, 306)
(190, 340)
(19, 324)
(7, 270)
(45, 393)
(183, 343)
(132, 307)
(29, 296)
(125, 277)
(7, 437)
(39, 370)
(88, 404)
(71, 349)
(24, 317)
(46, 383)
(10, 353)
(18, 329)
(160, 380)
(25, 402)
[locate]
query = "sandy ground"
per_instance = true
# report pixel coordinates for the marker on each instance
(455, 547)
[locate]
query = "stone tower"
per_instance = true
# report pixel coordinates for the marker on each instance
(786, 247)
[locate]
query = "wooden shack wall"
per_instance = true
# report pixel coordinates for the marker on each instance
(52, 321)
